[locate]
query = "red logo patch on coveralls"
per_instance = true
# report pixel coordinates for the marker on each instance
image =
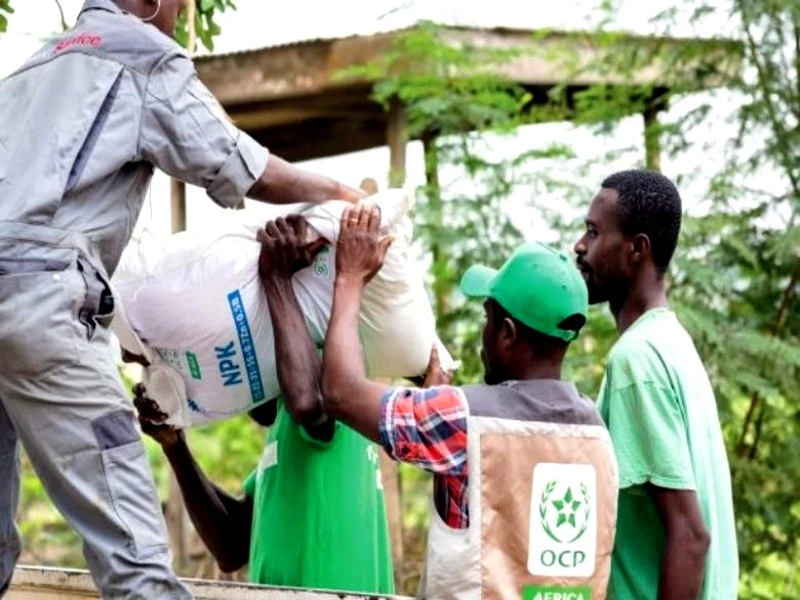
(83, 39)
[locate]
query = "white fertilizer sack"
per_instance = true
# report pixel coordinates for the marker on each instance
(195, 307)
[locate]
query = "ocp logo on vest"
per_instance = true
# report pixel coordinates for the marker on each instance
(563, 528)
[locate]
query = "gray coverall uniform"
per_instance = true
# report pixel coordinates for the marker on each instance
(82, 125)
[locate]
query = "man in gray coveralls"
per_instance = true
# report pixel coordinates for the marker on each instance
(82, 125)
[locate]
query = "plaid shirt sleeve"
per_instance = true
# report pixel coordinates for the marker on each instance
(426, 428)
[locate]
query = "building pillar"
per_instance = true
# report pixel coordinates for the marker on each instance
(397, 138)
(652, 136)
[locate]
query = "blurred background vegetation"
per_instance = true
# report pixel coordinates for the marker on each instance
(734, 284)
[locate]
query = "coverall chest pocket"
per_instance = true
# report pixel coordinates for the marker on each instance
(39, 300)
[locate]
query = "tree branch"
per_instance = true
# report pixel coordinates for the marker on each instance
(786, 302)
(796, 31)
(759, 427)
(191, 15)
(766, 92)
(787, 297)
(784, 91)
(64, 25)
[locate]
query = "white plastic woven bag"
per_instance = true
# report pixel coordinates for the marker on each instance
(195, 307)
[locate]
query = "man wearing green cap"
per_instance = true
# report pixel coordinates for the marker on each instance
(524, 501)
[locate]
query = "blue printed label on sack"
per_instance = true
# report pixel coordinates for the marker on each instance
(229, 366)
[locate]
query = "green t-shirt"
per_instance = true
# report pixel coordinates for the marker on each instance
(319, 517)
(660, 410)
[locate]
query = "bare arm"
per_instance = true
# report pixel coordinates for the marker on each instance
(186, 133)
(683, 563)
(284, 251)
(283, 183)
(299, 366)
(349, 395)
(222, 521)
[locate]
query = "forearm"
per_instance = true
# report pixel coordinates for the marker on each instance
(223, 522)
(298, 364)
(283, 183)
(348, 395)
(343, 364)
(682, 568)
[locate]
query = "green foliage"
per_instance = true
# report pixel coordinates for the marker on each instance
(735, 280)
(738, 291)
(736, 275)
(449, 92)
(206, 28)
(5, 7)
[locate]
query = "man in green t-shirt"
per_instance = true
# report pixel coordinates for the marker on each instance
(313, 513)
(676, 535)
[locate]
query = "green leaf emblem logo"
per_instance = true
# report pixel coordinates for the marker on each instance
(563, 512)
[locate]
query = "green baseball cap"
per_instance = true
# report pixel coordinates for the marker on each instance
(537, 285)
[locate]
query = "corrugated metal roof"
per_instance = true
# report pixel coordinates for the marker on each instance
(304, 42)
(399, 29)
(294, 44)
(374, 28)
(501, 30)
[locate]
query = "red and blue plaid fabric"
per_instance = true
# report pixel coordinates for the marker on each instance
(428, 428)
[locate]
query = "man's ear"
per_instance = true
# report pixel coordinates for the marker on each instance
(641, 247)
(508, 333)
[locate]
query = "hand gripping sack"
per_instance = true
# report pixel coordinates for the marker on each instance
(194, 306)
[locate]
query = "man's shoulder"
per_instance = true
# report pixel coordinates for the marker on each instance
(435, 394)
(636, 360)
(537, 399)
(643, 345)
(131, 42)
(116, 36)
(659, 351)
(631, 347)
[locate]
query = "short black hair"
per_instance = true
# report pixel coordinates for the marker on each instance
(649, 203)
